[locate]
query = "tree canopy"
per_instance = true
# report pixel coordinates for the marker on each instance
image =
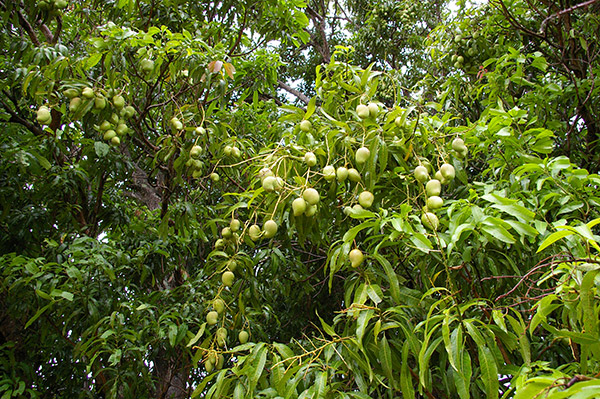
(299, 199)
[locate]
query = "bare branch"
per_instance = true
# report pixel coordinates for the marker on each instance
(16, 118)
(563, 12)
(301, 96)
(27, 26)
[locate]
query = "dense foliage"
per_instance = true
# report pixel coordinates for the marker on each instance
(276, 199)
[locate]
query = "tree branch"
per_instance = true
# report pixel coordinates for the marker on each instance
(28, 28)
(301, 96)
(16, 118)
(565, 11)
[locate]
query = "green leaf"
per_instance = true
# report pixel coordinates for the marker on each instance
(489, 372)
(391, 276)
(37, 315)
(197, 336)
(494, 228)
(260, 359)
(361, 323)
(101, 148)
(310, 108)
(385, 358)
(93, 60)
(406, 379)
(326, 327)
(552, 238)
(321, 384)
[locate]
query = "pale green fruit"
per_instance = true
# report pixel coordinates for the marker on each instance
(278, 183)
(430, 220)
(71, 93)
(298, 206)
(232, 264)
(105, 125)
(147, 66)
(221, 335)
(119, 101)
(373, 110)
(458, 144)
(115, 141)
(365, 199)
(358, 207)
(99, 102)
(61, 4)
(235, 152)
(209, 366)
(433, 187)
(270, 228)
(311, 196)
(226, 232)
(212, 357)
(268, 184)
(329, 173)
(88, 93)
(311, 210)
(122, 129)
(265, 172)
(197, 164)
(353, 175)
(447, 171)
(398, 121)
(44, 116)
(220, 244)
(342, 174)
(212, 317)
(305, 126)
(227, 278)
(176, 123)
(227, 150)
(421, 174)
(438, 176)
(215, 177)
(74, 104)
(254, 232)
(218, 305)
(220, 361)
(234, 225)
(434, 202)
(109, 134)
(243, 337)
(462, 154)
(200, 131)
(347, 210)
(310, 159)
(356, 257)
(362, 154)
(129, 111)
(196, 151)
(362, 111)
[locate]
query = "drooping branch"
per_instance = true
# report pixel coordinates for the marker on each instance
(563, 12)
(28, 28)
(319, 37)
(301, 96)
(17, 118)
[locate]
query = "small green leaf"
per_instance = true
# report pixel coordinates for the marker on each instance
(310, 108)
(197, 336)
(489, 371)
(101, 149)
(385, 357)
(552, 238)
